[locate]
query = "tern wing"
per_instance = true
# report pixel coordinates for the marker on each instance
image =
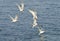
(22, 5)
(33, 13)
(16, 17)
(11, 17)
(18, 6)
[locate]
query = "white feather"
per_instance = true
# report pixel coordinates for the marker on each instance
(34, 23)
(21, 6)
(14, 19)
(33, 13)
(40, 31)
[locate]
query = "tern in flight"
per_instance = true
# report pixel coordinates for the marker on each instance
(34, 23)
(14, 19)
(21, 6)
(40, 31)
(33, 13)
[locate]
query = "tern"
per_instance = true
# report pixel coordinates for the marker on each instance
(33, 13)
(21, 6)
(14, 19)
(34, 23)
(40, 31)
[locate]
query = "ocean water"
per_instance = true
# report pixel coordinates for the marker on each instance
(48, 12)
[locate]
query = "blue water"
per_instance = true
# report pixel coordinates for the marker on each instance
(48, 12)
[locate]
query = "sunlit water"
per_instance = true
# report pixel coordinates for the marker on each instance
(48, 17)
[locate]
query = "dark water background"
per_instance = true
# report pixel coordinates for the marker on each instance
(48, 17)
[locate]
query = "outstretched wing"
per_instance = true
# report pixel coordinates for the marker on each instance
(18, 7)
(16, 17)
(21, 6)
(33, 13)
(11, 17)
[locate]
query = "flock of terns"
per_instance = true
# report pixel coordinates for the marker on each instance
(34, 14)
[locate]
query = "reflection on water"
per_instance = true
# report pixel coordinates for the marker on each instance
(41, 37)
